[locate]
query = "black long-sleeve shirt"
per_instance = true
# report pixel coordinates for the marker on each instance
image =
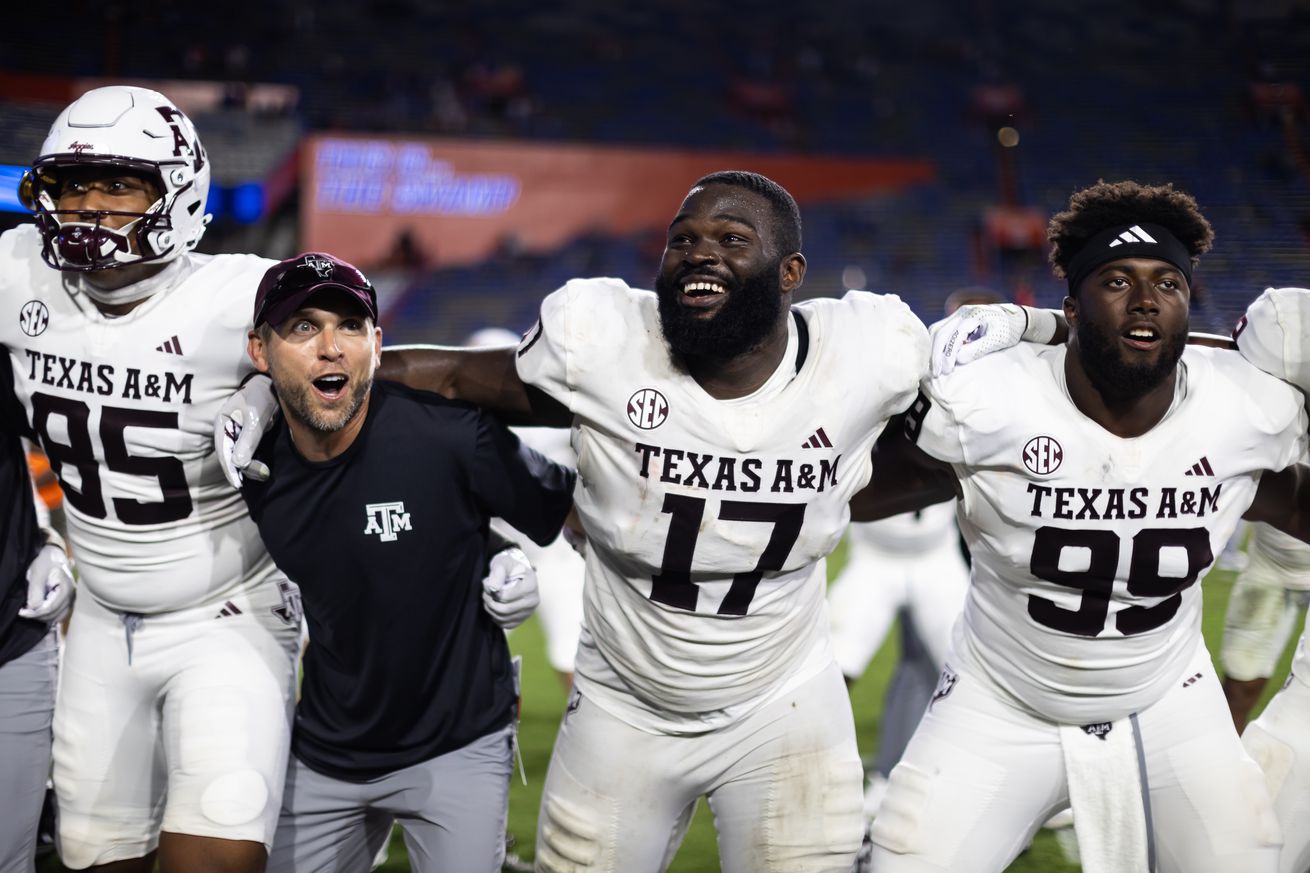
(387, 543)
(20, 538)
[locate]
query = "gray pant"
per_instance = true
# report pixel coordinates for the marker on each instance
(27, 703)
(907, 696)
(452, 809)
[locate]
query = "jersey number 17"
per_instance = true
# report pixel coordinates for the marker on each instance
(673, 585)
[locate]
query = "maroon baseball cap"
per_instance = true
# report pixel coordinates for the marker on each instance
(288, 284)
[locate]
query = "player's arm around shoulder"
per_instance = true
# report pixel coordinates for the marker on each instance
(514, 482)
(486, 377)
(528, 385)
(955, 420)
(905, 478)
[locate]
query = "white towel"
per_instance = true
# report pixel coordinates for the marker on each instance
(1110, 813)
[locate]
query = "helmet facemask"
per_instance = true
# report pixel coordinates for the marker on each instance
(81, 240)
(127, 130)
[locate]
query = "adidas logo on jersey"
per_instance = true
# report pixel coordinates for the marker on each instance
(1201, 468)
(229, 608)
(1132, 235)
(817, 440)
(170, 346)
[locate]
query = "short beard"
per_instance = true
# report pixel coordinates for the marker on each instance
(1116, 379)
(296, 397)
(741, 325)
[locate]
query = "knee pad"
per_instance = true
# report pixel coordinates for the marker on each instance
(1230, 801)
(900, 820)
(234, 798)
(567, 841)
(1274, 757)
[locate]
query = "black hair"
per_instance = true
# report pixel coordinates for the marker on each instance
(786, 214)
(1107, 204)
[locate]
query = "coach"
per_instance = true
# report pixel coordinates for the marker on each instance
(377, 507)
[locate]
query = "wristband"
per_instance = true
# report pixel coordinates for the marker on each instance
(1040, 325)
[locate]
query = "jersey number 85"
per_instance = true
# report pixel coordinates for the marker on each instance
(87, 495)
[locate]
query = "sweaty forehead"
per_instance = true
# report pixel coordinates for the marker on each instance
(725, 203)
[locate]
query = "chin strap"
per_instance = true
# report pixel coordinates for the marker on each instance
(172, 274)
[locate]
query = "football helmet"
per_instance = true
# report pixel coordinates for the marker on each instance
(131, 129)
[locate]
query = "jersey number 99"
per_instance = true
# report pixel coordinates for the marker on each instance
(1097, 581)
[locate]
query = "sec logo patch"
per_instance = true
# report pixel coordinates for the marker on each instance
(33, 318)
(647, 408)
(1043, 455)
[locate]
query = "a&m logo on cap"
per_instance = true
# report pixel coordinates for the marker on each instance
(320, 265)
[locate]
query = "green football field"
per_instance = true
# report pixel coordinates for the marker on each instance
(543, 704)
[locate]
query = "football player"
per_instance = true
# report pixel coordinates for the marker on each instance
(178, 673)
(720, 432)
(1261, 615)
(1272, 335)
(1097, 485)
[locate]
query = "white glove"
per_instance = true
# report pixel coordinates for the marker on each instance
(972, 332)
(509, 591)
(241, 423)
(49, 585)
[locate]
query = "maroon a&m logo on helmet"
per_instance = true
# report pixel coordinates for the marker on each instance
(1043, 455)
(647, 408)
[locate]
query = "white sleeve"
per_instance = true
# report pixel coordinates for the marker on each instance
(1272, 334)
(578, 338)
(543, 355)
(901, 332)
(931, 423)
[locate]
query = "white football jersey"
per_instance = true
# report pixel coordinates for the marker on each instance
(910, 533)
(1273, 333)
(707, 520)
(1087, 547)
(124, 407)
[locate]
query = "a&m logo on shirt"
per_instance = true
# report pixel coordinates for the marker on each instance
(33, 318)
(647, 409)
(1043, 455)
(387, 520)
